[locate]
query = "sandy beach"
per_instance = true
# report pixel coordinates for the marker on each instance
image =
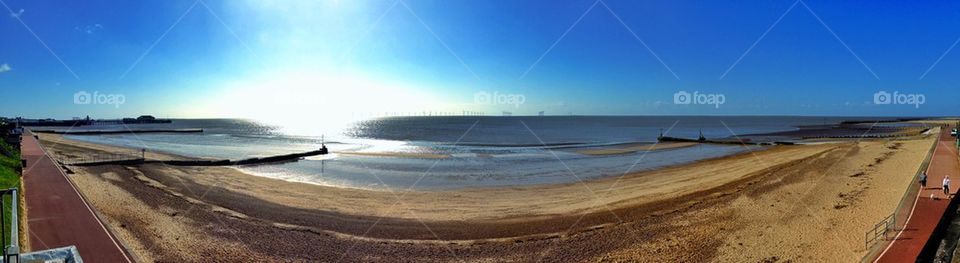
(799, 203)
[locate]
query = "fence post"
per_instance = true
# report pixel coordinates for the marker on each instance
(3, 236)
(892, 223)
(12, 252)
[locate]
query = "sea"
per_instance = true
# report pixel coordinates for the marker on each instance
(404, 153)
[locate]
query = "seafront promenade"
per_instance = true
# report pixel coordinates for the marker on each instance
(910, 241)
(58, 215)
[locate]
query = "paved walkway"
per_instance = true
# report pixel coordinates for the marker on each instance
(927, 212)
(57, 215)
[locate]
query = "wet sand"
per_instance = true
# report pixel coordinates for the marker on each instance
(803, 202)
(635, 147)
(396, 154)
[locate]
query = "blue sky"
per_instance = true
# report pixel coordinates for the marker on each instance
(262, 58)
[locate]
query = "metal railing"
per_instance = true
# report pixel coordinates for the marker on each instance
(881, 229)
(11, 251)
(897, 220)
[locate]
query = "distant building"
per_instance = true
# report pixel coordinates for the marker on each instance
(10, 133)
(541, 113)
(144, 119)
(507, 113)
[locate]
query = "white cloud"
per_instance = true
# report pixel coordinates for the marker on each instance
(5, 67)
(17, 14)
(89, 29)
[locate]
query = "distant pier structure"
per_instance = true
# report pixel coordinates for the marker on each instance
(143, 119)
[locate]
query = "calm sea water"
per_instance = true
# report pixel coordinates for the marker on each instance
(485, 151)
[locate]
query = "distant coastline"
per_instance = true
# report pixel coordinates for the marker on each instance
(144, 119)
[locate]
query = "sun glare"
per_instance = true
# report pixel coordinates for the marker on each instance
(312, 104)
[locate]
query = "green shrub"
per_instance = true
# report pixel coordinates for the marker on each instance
(9, 178)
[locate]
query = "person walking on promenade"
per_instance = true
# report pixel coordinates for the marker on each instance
(923, 180)
(946, 186)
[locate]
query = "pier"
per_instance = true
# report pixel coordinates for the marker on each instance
(143, 119)
(101, 132)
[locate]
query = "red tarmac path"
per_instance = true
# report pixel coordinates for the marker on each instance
(926, 214)
(57, 215)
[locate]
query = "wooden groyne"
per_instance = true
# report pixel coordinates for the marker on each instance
(250, 161)
(881, 121)
(678, 139)
(872, 136)
(108, 162)
(811, 132)
(99, 132)
(705, 140)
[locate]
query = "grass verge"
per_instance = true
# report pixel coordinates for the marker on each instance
(9, 178)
